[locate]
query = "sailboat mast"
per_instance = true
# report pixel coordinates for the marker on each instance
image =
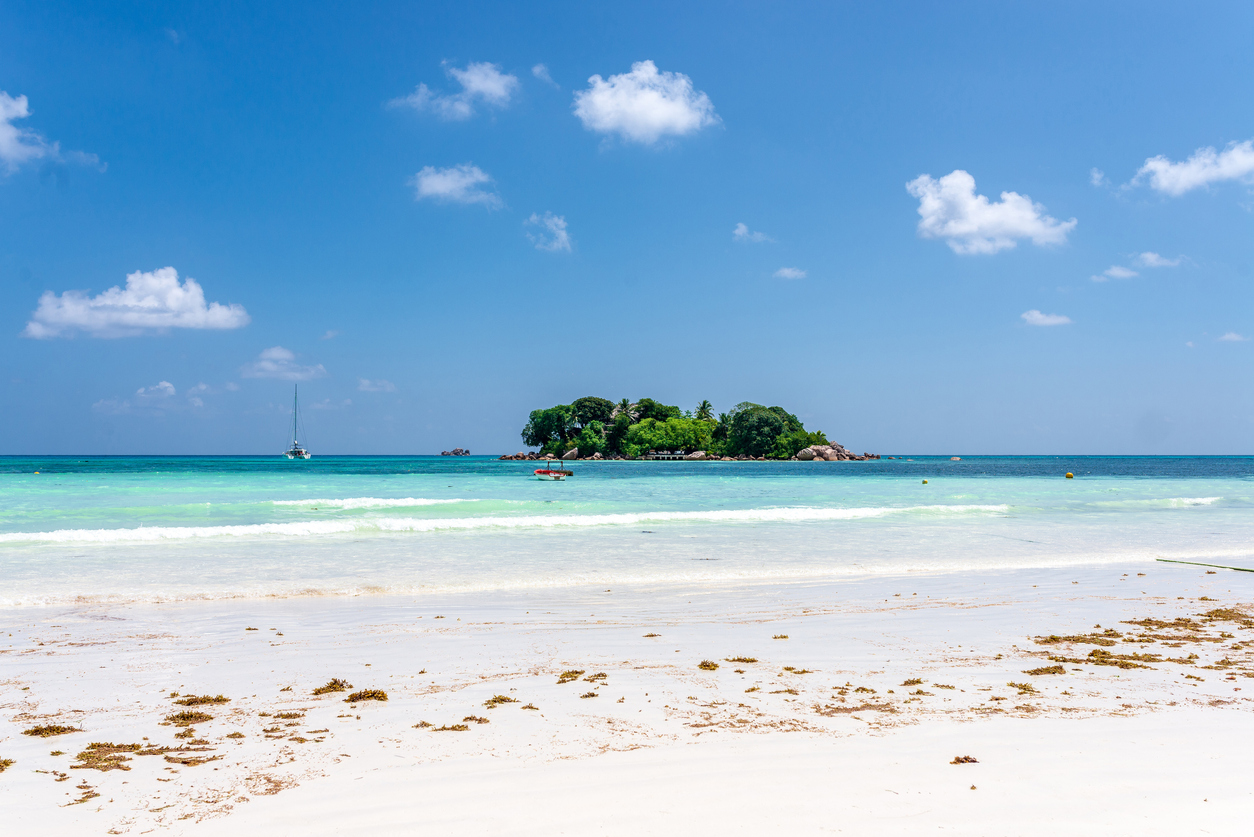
(295, 392)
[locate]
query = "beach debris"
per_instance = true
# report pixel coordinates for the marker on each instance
(335, 684)
(291, 716)
(647, 636)
(252, 629)
(105, 756)
(780, 636)
(835, 709)
(89, 793)
(865, 690)
(588, 695)
(452, 728)
(190, 761)
(1099, 657)
(49, 730)
(366, 694)
(965, 760)
(187, 717)
(785, 692)
(741, 660)
(794, 670)
(5, 764)
(236, 734)
(474, 719)
(913, 681)
(423, 725)
(1046, 670)
(531, 706)
(202, 700)
(921, 693)
(707, 665)
(569, 676)
(600, 676)
(496, 700)
(1024, 688)
(751, 689)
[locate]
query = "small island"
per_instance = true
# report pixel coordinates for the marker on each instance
(597, 429)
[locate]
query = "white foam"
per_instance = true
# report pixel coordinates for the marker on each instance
(370, 502)
(317, 528)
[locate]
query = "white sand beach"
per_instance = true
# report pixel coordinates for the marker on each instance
(825, 732)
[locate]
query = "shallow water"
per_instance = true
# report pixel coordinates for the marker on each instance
(158, 529)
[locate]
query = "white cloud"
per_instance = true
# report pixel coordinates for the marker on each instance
(22, 145)
(193, 394)
(1233, 337)
(151, 302)
(742, 233)
(969, 223)
(1036, 318)
(1115, 272)
(330, 335)
(458, 184)
(328, 404)
(644, 105)
(1098, 177)
(542, 72)
(278, 362)
(554, 236)
(1151, 259)
(367, 385)
(1206, 166)
(481, 82)
(790, 273)
(162, 389)
(1189, 344)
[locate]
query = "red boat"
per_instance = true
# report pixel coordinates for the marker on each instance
(548, 472)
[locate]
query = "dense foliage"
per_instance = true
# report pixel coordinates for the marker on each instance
(634, 428)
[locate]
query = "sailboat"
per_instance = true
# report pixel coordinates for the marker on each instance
(296, 451)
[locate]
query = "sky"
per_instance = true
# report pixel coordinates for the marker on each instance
(959, 228)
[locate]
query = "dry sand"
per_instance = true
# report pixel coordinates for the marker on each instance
(820, 735)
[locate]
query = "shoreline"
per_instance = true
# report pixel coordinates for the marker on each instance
(655, 714)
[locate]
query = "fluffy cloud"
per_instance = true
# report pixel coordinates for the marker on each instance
(644, 105)
(1151, 259)
(458, 184)
(742, 233)
(790, 273)
(542, 72)
(1098, 177)
(1115, 272)
(1233, 337)
(152, 400)
(278, 362)
(21, 145)
(1036, 318)
(367, 385)
(552, 235)
(969, 223)
(1206, 166)
(151, 302)
(162, 389)
(480, 82)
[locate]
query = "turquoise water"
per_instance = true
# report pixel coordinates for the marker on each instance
(121, 529)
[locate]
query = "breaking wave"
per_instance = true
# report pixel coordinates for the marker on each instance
(370, 502)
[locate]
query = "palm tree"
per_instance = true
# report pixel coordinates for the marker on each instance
(625, 407)
(705, 411)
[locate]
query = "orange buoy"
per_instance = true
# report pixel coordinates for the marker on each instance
(925, 482)
(1070, 475)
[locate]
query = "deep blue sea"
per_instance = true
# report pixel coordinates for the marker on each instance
(81, 529)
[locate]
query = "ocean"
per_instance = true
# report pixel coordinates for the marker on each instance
(156, 529)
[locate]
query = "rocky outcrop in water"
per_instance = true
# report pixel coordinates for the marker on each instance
(455, 452)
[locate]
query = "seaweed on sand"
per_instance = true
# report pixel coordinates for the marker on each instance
(741, 660)
(202, 700)
(707, 665)
(568, 676)
(366, 694)
(188, 717)
(496, 700)
(1046, 670)
(335, 684)
(49, 730)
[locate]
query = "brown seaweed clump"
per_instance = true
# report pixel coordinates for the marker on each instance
(741, 660)
(451, 728)
(531, 706)
(202, 700)
(188, 717)
(1046, 670)
(49, 730)
(589, 695)
(965, 760)
(366, 694)
(1024, 688)
(105, 755)
(335, 684)
(707, 665)
(5, 764)
(496, 700)
(568, 676)
(913, 681)
(474, 719)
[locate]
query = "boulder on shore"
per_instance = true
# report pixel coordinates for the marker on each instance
(697, 456)
(573, 453)
(806, 454)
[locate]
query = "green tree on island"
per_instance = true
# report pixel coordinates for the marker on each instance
(593, 425)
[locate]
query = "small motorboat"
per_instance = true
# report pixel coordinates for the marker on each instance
(548, 472)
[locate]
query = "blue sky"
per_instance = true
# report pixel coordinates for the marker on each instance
(927, 193)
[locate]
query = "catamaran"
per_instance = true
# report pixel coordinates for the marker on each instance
(296, 451)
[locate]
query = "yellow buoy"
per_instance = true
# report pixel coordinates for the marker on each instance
(925, 482)
(1070, 475)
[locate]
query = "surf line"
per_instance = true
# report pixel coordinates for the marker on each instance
(1198, 564)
